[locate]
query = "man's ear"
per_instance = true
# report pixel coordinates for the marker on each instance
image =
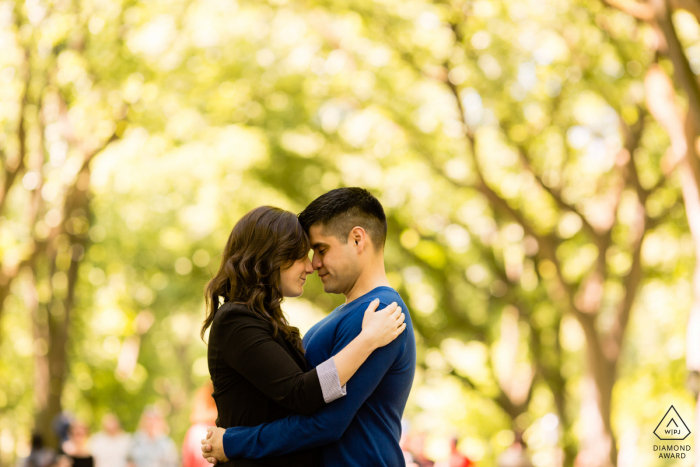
(358, 237)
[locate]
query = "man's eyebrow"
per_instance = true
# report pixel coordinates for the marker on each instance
(317, 245)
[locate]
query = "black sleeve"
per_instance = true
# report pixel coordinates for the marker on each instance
(246, 344)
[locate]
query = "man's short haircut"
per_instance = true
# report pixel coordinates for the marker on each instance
(341, 210)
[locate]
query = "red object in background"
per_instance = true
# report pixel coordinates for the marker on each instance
(460, 460)
(457, 459)
(192, 446)
(203, 416)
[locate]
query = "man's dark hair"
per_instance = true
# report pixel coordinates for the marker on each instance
(341, 210)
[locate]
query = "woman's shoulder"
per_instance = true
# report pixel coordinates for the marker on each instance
(231, 312)
(231, 309)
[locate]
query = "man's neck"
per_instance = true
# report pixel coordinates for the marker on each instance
(372, 277)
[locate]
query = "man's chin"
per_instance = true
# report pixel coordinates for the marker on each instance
(329, 288)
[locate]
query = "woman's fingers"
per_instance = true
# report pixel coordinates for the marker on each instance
(394, 314)
(400, 329)
(372, 307)
(390, 308)
(401, 318)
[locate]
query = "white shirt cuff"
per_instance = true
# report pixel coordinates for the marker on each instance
(330, 381)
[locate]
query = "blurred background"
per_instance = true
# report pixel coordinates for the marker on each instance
(537, 161)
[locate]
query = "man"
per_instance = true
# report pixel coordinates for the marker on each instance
(150, 445)
(347, 228)
(110, 447)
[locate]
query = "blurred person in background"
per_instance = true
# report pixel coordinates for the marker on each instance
(110, 447)
(457, 459)
(403, 443)
(416, 445)
(515, 455)
(77, 447)
(61, 426)
(151, 446)
(39, 455)
(203, 415)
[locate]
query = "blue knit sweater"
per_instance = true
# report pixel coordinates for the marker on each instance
(361, 429)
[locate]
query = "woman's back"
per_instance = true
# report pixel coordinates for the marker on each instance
(240, 361)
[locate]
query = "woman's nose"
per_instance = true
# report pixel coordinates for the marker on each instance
(308, 268)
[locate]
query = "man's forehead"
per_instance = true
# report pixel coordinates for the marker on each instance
(317, 234)
(320, 235)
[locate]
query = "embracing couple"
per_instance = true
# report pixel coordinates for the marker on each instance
(337, 397)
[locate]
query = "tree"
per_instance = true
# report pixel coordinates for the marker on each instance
(518, 161)
(50, 151)
(563, 206)
(682, 127)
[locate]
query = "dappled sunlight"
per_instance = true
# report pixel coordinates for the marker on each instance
(534, 159)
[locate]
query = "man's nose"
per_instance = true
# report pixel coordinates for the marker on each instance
(316, 262)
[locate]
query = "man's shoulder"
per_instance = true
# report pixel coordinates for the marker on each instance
(388, 295)
(356, 309)
(385, 294)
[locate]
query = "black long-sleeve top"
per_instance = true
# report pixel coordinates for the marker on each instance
(259, 378)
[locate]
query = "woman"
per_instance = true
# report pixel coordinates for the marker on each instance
(76, 448)
(256, 358)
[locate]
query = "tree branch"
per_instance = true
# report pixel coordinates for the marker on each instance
(682, 72)
(556, 195)
(692, 6)
(641, 11)
(501, 399)
(11, 173)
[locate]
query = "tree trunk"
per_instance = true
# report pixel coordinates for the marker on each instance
(599, 448)
(52, 366)
(691, 200)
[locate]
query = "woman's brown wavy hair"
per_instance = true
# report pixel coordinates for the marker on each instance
(263, 242)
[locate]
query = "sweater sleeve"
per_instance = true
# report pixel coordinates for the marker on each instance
(248, 347)
(296, 433)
